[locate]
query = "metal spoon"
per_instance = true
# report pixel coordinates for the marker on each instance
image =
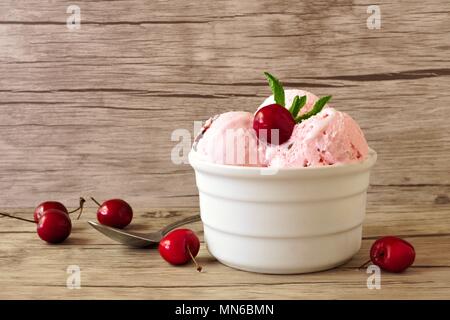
(140, 240)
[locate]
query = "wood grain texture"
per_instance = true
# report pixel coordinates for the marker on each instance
(91, 112)
(109, 270)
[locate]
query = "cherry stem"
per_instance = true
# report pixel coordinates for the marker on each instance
(82, 201)
(14, 217)
(80, 208)
(199, 267)
(365, 264)
(96, 202)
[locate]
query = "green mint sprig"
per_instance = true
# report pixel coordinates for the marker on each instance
(277, 89)
(298, 103)
(318, 106)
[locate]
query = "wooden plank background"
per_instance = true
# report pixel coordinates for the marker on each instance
(91, 111)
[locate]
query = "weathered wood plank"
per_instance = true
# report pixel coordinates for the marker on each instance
(398, 210)
(215, 53)
(72, 138)
(431, 289)
(143, 274)
(135, 73)
(413, 220)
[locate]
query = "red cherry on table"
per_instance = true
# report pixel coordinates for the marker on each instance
(271, 118)
(54, 226)
(392, 254)
(44, 206)
(179, 247)
(115, 213)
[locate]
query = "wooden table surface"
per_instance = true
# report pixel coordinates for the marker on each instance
(91, 112)
(35, 270)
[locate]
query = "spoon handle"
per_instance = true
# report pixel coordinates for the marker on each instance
(179, 223)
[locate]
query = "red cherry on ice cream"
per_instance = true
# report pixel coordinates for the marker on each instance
(115, 213)
(270, 118)
(179, 247)
(44, 206)
(392, 254)
(54, 226)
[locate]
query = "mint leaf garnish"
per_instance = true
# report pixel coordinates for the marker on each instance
(318, 106)
(277, 89)
(294, 107)
(297, 104)
(302, 102)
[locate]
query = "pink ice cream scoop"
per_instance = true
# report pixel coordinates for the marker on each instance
(230, 139)
(289, 95)
(330, 137)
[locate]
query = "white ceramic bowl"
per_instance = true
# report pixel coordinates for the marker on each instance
(293, 221)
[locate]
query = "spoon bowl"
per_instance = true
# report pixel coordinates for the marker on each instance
(140, 240)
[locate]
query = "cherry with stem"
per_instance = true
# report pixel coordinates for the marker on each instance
(54, 226)
(197, 265)
(44, 206)
(179, 247)
(115, 213)
(391, 254)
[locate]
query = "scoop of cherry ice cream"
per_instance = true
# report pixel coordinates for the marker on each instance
(291, 129)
